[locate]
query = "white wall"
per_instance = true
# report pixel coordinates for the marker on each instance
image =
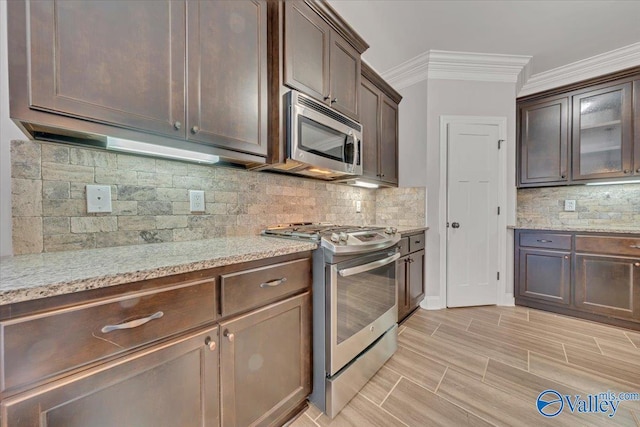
(413, 136)
(8, 132)
(463, 98)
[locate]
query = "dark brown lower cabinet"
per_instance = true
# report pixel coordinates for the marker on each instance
(171, 384)
(590, 275)
(265, 363)
(608, 285)
(410, 274)
(545, 275)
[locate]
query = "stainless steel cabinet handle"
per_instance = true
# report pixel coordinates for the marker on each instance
(132, 324)
(563, 176)
(210, 343)
(544, 241)
(273, 283)
(566, 257)
(334, 100)
(195, 130)
(177, 125)
(229, 335)
(366, 267)
(634, 246)
(638, 170)
(637, 264)
(326, 98)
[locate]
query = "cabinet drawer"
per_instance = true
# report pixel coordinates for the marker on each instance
(546, 240)
(253, 288)
(416, 242)
(43, 345)
(404, 246)
(609, 245)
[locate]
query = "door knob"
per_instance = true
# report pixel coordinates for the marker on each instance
(455, 225)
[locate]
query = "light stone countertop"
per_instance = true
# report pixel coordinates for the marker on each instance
(28, 277)
(569, 228)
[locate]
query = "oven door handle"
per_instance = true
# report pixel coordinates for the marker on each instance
(345, 272)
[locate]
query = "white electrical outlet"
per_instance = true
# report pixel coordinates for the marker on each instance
(98, 198)
(358, 206)
(196, 200)
(570, 205)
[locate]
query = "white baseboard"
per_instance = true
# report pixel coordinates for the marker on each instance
(432, 303)
(508, 300)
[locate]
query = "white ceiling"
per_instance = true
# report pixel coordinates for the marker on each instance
(555, 33)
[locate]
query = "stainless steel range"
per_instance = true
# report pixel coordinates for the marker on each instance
(354, 306)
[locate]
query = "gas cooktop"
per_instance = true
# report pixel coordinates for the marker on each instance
(338, 238)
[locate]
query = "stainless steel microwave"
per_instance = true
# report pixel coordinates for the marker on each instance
(321, 142)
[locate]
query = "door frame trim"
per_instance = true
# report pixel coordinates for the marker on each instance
(504, 297)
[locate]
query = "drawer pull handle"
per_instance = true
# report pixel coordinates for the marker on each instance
(273, 283)
(417, 241)
(132, 324)
(544, 241)
(634, 246)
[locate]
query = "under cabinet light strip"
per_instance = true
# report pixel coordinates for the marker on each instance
(365, 184)
(136, 147)
(636, 181)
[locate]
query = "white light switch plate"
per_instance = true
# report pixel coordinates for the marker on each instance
(358, 206)
(570, 205)
(196, 201)
(98, 198)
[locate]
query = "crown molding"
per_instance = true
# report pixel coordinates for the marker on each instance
(446, 65)
(605, 63)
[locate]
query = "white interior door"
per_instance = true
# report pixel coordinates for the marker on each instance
(472, 214)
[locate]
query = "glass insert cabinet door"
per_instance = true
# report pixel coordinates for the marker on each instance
(602, 133)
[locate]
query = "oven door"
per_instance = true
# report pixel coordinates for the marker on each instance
(363, 304)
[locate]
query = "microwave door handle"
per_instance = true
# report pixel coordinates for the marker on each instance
(345, 272)
(356, 152)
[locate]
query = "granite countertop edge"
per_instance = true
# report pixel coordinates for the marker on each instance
(16, 271)
(574, 229)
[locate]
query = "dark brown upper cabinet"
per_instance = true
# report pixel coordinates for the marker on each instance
(636, 122)
(580, 133)
(81, 70)
(603, 133)
(379, 118)
(320, 60)
(109, 62)
(544, 142)
(227, 74)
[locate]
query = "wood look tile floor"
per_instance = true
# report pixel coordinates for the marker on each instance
(485, 366)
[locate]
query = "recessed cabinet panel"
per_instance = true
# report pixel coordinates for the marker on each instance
(416, 288)
(265, 362)
(608, 285)
(173, 384)
(602, 140)
(369, 114)
(636, 122)
(228, 74)
(545, 275)
(120, 63)
(389, 141)
(544, 142)
(306, 44)
(345, 77)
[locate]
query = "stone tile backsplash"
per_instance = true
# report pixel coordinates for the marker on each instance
(150, 200)
(615, 207)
